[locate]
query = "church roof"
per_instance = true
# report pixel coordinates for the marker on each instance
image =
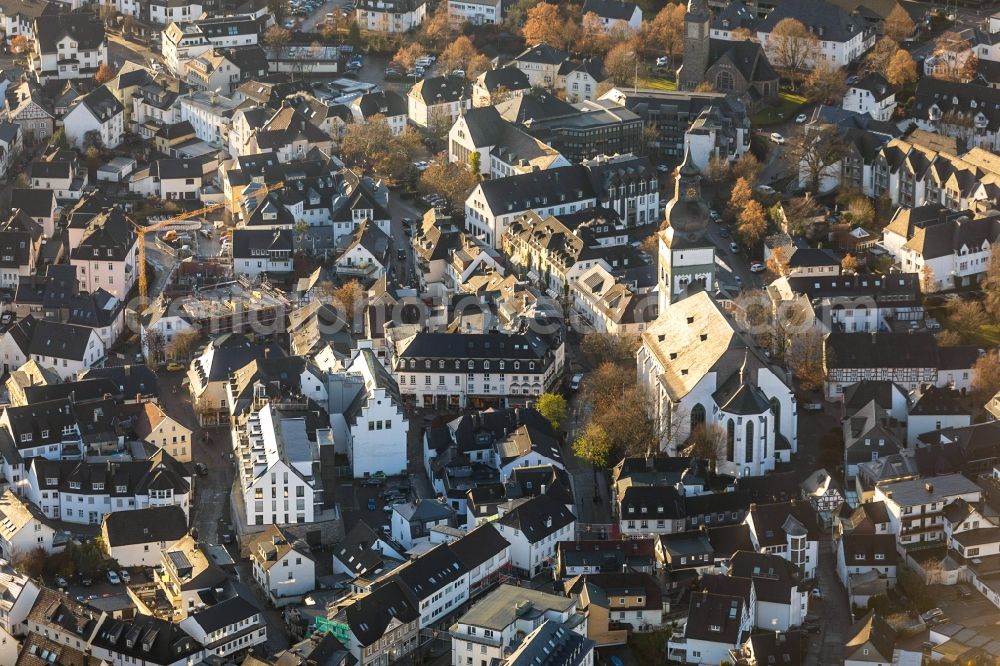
(747, 57)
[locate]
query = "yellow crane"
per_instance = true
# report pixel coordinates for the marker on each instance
(165, 225)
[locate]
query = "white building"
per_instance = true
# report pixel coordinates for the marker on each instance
(97, 116)
(67, 46)
(842, 37)
(282, 566)
(209, 114)
(476, 12)
(106, 254)
(138, 538)
(613, 13)
(366, 414)
(872, 95)
(390, 16)
(184, 41)
(438, 101)
(701, 372)
(916, 506)
(23, 528)
(259, 252)
(277, 467)
(788, 529)
(534, 529)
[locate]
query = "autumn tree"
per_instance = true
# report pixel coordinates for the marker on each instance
(184, 344)
(554, 408)
(860, 212)
(966, 317)
(457, 54)
(103, 74)
(708, 442)
(748, 167)
(593, 446)
(31, 562)
(591, 38)
(19, 44)
(951, 53)
(804, 357)
(902, 69)
(373, 145)
(879, 56)
(777, 263)
(752, 223)
(665, 33)
(739, 196)
(800, 212)
(898, 24)
(618, 349)
(407, 55)
(704, 86)
(477, 65)
(449, 179)
(991, 282)
(622, 64)
(793, 47)
(546, 22)
(348, 299)
(438, 29)
(826, 82)
(718, 169)
(849, 264)
(928, 280)
(277, 38)
(816, 152)
(986, 376)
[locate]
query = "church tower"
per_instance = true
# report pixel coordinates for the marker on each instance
(686, 259)
(696, 45)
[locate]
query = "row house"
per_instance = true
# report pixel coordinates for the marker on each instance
(626, 184)
(187, 40)
(916, 507)
(106, 254)
(966, 111)
(390, 16)
(952, 247)
(67, 46)
(447, 258)
(83, 493)
(477, 370)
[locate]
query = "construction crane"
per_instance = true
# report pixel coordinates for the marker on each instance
(165, 225)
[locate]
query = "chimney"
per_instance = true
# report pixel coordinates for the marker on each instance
(929, 487)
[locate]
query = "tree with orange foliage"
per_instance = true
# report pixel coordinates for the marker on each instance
(902, 69)
(103, 74)
(545, 23)
(592, 39)
(665, 33)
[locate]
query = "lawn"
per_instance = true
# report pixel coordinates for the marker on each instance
(658, 83)
(778, 115)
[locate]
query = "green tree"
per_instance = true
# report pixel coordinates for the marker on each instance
(553, 407)
(475, 162)
(593, 446)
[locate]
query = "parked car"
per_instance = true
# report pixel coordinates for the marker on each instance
(723, 232)
(86, 581)
(401, 254)
(124, 575)
(201, 469)
(932, 324)
(765, 189)
(113, 577)
(174, 366)
(663, 61)
(387, 508)
(734, 247)
(574, 384)
(801, 118)
(812, 407)
(777, 138)
(61, 582)
(371, 504)
(933, 613)
(757, 267)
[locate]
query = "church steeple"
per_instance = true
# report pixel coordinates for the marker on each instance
(696, 45)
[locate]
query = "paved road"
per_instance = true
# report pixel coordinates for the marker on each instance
(833, 608)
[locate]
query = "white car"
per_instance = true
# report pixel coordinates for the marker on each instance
(574, 384)
(777, 138)
(801, 118)
(663, 61)
(757, 267)
(765, 189)
(124, 575)
(113, 577)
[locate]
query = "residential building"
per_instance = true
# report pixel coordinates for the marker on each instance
(144, 639)
(873, 95)
(382, 625)
(916, 506)
(617, 603)
(390, 16)
(476, 12)
(717, 623)
(154, 426)
(98, 118)
(106, 254)
(870, 640)
(476, 369)
(23, 528)
(437, 101)
(282, 566)
(27, 106)
(613, 12)
(67, 46)
(82, 492)
(496, 624)
(965, 110)
(411, 522)
(169, 179)
(788, 529)
(503, 148)
(498, 85)
(533, 529)
(386, 103)
(138, 538)
(266, 252)
(843, 37)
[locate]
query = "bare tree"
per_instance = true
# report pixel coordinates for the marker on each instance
(708, 442)
(805, 357)
(816, 153)
(792, 48)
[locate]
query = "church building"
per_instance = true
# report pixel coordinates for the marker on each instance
(737, 67)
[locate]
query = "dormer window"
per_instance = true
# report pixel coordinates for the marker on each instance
(121, 489)
(45, 434)
(74, 485)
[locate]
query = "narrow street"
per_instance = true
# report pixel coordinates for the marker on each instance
(833, 609)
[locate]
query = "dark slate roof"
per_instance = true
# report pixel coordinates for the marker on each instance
(58, 340)
(875, 84)
(938, 400)
(85, 29)
(746, 56)
(246, 242)
(384, 102)
(651, 503)
(34, 202)
(152, 524)
(102, 104)
(614, 10)
(881, 350)
(537, 189)
(369, 616)
(478, 546)
(955, 97)
(542, 53)
(433, 571)
(770, 520)
(109, 236)
(828, 22)
(146, 639)
(773, 576)
(440, 89)
(729, 539)
(870, 630)
(532, 517)
(805, 257)
(231, 611)
(715, 618)
(472, 347)
(356, 550)
(860, 549)
(508, 78)
(131, 380)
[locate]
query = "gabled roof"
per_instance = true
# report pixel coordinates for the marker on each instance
(149, 525)
(370, 615)
(827, 21)
(873, 633)
(613, 10)
(85, 29)
(538, 518)
(440, 90)
(542, 53)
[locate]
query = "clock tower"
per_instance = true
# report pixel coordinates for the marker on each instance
(697, 45)
(686, 259)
